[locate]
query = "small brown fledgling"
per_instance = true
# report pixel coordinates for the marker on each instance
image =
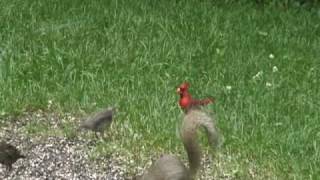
(100, 121)
(9, 155)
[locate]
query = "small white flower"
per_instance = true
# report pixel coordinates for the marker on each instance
(271, 56)
(268, 84)
(274, 69)
(49, 103)
(218, 51)
(262, 33)
(228, 88)
(258, 75)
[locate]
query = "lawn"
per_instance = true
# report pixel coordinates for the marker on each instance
(262, 66)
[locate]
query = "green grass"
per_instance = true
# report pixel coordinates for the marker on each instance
(90, 54)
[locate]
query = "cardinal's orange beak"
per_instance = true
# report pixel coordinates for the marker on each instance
(178, 90)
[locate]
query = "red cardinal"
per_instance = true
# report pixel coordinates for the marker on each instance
(186, 101)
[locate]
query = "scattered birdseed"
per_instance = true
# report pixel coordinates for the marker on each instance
(54, 157)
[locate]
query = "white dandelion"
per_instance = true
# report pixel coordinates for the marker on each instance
(271, 56)
(268, 84)
(258, 75)
(274, 69)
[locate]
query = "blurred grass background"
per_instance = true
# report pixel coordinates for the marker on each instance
(82, 55)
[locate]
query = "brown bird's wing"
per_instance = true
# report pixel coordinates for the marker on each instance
(102, 118)
(98, 122)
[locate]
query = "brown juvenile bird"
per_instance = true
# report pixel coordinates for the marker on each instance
(100, 121)
(9, 155)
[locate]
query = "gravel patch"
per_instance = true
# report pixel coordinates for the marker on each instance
(54, 157)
